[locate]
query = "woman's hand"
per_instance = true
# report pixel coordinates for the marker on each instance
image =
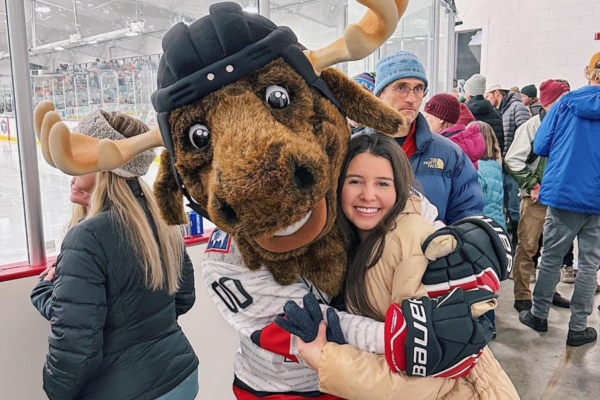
(311, 352)
(48, 273)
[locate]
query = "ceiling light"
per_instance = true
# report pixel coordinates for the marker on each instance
(43, 9)
(132, 34)
(59, 48)
(93, 42)
(420, 38)
(390, 42)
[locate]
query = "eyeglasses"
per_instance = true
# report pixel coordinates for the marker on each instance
(403, 91)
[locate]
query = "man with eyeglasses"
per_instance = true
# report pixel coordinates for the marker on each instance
(447, 176)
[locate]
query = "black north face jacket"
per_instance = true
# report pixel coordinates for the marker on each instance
(111, 337)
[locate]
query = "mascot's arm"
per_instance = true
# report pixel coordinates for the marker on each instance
(251, 300)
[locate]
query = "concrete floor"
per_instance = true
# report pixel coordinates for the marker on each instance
(540, 365)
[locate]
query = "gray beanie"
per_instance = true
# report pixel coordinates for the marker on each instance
(475, 85)
(96, 125)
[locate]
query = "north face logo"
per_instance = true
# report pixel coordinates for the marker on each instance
(434, 163)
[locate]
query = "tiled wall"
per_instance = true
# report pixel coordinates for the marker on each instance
(530, 41)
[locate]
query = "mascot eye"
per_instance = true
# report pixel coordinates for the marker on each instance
(277, 97)
(199, 136)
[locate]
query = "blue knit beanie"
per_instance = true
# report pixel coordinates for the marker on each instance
(402, 64)
(366, 80)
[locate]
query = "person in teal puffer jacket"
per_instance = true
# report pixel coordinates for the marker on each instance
(490, 174)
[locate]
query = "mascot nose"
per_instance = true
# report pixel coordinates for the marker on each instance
(227, 212)
(303, 178)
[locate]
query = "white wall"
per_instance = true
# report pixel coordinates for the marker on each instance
(23, 341)
(530, 41)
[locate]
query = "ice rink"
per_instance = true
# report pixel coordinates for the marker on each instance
(55, 189)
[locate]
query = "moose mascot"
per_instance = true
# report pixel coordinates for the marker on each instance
(255, 134)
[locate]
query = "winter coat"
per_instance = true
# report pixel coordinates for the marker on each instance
(535, 108)
(526, 167)
(447, 177)
(483, 111)
(112, 337)
(514, 114)
(395, 277)
(490, 178)
(470, 140)
(569, 138)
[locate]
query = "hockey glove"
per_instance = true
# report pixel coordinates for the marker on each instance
(482, 257)
(304, 323)
(437, 337)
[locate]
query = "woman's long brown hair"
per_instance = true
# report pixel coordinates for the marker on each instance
(364, 254)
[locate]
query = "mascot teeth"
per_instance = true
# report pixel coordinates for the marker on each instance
(290, 230)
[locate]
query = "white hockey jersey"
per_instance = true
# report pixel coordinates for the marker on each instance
(250, 301)
(266, 362)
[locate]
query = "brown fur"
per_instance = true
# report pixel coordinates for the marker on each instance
(168, 197)
(245, 176)
(361, 105)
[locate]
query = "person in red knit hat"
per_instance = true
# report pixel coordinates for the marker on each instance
(466, 116)
(443, 112)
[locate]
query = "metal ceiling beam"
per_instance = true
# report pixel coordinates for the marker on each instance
(301, 15)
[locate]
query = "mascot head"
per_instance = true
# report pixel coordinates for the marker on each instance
(255, 133)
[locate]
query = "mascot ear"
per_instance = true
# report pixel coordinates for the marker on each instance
(360, 105)
(168, 196)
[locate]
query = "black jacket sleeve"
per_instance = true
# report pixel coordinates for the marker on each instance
(41, 297)
(186, 295)
(78, 315)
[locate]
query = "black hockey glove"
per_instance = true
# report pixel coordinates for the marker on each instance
(482, 258)
(304, 323)
(437, 337)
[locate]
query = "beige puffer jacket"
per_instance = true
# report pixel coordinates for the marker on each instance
(355, 375)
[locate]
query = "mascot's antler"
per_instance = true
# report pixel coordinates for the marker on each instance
(77, 154)
(362, 39)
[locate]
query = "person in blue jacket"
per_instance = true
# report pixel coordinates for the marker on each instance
(569, 137)
(447, 176)
(490, 174)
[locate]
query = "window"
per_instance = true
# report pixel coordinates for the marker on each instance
(13, 239)
(102, 54)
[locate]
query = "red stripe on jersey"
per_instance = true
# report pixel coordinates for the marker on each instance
(277, 340)
(244, 395)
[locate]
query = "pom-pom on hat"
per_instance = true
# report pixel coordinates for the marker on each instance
(551, 90)
(445, 107)
(402, 64)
